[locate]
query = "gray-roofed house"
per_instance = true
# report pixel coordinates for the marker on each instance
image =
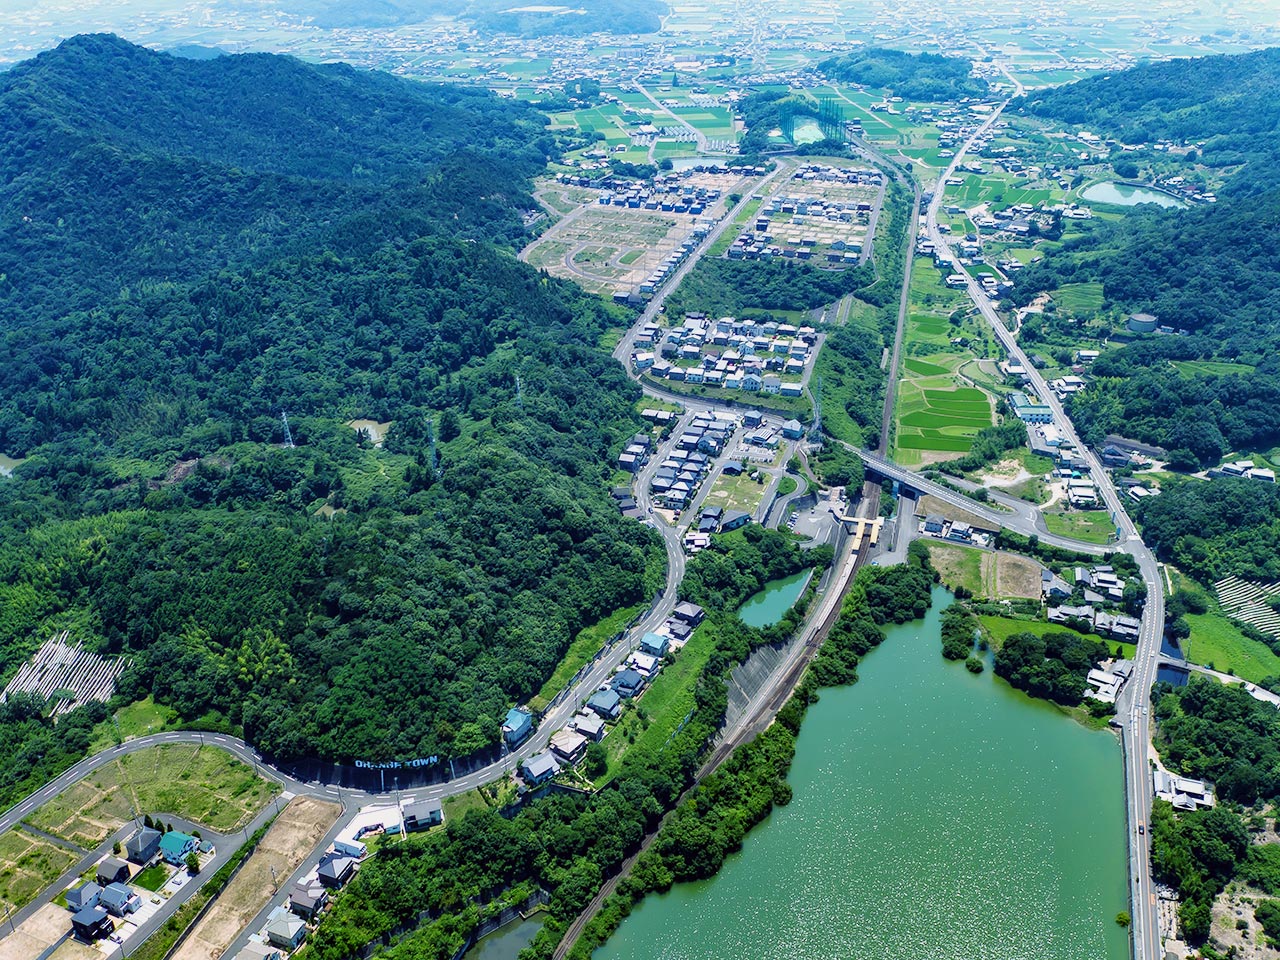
(285, 930)
(422, 814)
(606, 703)
(307, 898)
(143, 846)
(336, 870)
(259, 951)
(733, 519)
(112, 870)
(628, 683)
(83, 897)
(933, 523)
(540, 768)
(119, 900)
(793, 430)
(590, 726)
(690, 613)
(92, 923)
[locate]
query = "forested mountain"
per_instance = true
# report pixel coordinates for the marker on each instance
(137, 166)
(912, 76)
(315, 241)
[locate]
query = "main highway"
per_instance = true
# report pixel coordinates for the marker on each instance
(1133, 706)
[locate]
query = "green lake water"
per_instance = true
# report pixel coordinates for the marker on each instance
(505, 943)
(766, 608)
(1127, 195)
(937, 815)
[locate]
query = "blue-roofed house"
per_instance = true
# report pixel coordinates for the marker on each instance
(517, 726)
(605, 703)
(654, 644)
(538, 769)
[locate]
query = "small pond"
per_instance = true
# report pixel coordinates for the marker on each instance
(778, 596)
(1127, 195)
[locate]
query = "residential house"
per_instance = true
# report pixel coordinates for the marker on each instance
(285, 930)
(654, 644)
(259, 951)
(176, 846)
(112, 870)
(307, 898)
(645, 664)
(119, 900)
(590, 726)
(690, 613)
(569, 745)
(1057, 587)
(539, 769)
(793, 430)
(733, 519)
(92, 923)
(933, 524)
(517, 726)
(336, 870)
(422, 815)
(142, 846)
(606, 703)
(771, 383)
(628, 683)
(83, 897)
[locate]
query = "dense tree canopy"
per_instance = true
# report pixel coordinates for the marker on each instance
(912, 76)
(1212, 530)
(1053, 666)
(318, 240)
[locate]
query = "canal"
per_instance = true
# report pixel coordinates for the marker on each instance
(936, 814)
(767, 607)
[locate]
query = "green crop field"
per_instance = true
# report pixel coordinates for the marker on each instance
(1079, 298)
(1213, 368)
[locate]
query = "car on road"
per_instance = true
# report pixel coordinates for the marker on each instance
(1142, 828)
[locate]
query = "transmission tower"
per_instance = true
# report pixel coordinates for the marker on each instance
(288, 434)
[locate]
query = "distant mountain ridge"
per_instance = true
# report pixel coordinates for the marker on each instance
(141, 167)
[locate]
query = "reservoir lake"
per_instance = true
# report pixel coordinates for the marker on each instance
(936, 814)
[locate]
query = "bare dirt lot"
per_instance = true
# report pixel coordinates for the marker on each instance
(39, 933)
(293, 835)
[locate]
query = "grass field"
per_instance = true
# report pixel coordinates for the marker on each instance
(1215, 642)
(988, 574)
(153, 878)
(584, 646)
(199, 783)
(1091, 526)
(135, 720)
(654, 718)
(28, 864)
(736, 493)
(999, 629)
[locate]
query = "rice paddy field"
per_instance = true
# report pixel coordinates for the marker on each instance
(939, 409)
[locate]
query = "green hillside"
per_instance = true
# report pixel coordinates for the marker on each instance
(177, 281)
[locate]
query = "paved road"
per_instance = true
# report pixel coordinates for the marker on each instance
(1134, 703)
